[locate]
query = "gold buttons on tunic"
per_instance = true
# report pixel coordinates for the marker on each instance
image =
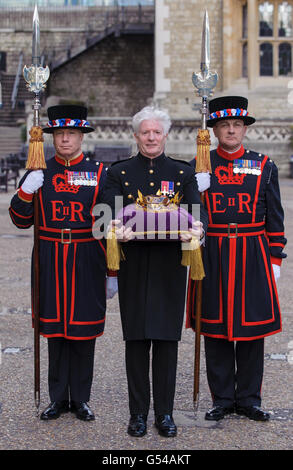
(178, 183)
(123, 172)
(126, 183)
(181, 172)
(152, 184)
(130, 196)
(151, 171)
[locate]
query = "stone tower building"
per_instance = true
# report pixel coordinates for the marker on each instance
(116, 56)
(251, 49)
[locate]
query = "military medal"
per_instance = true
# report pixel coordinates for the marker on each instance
(247, 167)
(167, 188)
(82, 178)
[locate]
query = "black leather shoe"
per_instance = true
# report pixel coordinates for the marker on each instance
(82, 411)
(253, 412)
(137, 426)
(165, 425)
(54, 410)
(218, 412)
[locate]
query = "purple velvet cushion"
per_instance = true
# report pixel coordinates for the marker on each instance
(156, 221)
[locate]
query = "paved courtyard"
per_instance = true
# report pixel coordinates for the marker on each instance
(20, 429)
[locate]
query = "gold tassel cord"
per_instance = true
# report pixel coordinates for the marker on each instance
(36, 157)
(192, 257)
(113, 251)
(203, 162)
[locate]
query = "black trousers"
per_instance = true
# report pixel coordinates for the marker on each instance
(234, 371)
(164, 365)
(71, 364)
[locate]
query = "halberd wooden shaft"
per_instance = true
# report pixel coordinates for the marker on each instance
(36, 77)
(36, 302)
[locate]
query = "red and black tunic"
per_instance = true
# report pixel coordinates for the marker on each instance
(245, 237)
(72, 261)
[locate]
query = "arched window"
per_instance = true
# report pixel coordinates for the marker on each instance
(266, 19)
(266, 59)
(276, 25)
(259, 37)
(285, 58)
(285, 20)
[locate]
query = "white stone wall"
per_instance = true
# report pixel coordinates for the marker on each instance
(178, 52)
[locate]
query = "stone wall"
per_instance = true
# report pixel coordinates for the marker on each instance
(114, 78)
(178, 35)
(13, 42)
(60, 28)
(119, 75)
(178, 52)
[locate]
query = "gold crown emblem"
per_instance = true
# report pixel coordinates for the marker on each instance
(60, 184)
(225, 175)
(157, 202)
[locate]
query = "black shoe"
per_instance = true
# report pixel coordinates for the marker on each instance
(137, 425)
(165, 425)
(218, 412)
(82, 410)
(253, 412)
(54, 410)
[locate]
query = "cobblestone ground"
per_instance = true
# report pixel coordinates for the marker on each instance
(20, 429)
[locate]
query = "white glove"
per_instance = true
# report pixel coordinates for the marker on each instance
(203, 181)
(122, 234)
(33, 182)
(111, 286)
(277, 271)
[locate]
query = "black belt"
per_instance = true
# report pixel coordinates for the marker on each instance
(234, 230)
(66, 235)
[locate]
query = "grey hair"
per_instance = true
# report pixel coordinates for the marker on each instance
(150, 112)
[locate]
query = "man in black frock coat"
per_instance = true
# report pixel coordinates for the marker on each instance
(151, 279)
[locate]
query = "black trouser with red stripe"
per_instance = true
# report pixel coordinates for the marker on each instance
(71, 364)
(234, 371)
(164, 365)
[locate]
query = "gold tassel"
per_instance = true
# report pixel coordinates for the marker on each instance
(113, 251)
(203, 162)
(36, 157)
(196, 265)
(192, 258)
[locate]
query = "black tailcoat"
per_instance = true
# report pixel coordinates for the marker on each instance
(152, 281)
